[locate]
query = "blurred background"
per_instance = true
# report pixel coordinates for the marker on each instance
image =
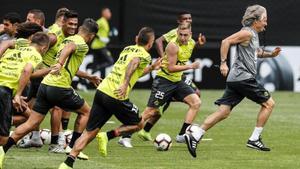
(214, 18)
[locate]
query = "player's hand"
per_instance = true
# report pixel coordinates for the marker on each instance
(157, 64)
(224, 69)
(95, 80)
(195, 65)
(19, 103)
(276, 52)
(121, 91)
(55, 69)
(201, 39)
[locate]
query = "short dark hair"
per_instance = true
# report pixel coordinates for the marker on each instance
(38, 14)
(26, 29)
(61, 12)
(144, 35)
(90, 25)
(40, 38)
(182, 13)
(70, 14)
(12, 17)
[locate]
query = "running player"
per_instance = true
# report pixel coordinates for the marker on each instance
(111, 97)
(241, 80)
(56, 89)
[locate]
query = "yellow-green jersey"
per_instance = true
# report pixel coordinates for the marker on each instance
(49, 58)
(54, 28)
(183, 55)
(172, 34)
(71, 66)
(12, 64)
(21, 42)
(116, 77)
(102, 32)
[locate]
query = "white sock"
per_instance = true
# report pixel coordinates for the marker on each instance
(256, 133)
(201, 133)
(36, 135)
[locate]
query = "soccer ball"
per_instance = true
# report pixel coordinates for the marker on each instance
(194, 130)
(163, 142)
(68, 136)
(45, 136)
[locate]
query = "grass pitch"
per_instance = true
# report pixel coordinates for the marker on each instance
(225, 147)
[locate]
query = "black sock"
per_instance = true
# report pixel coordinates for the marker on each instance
(126, 136)
(75, 136)
(148, 127)
(183, 128)
(54, 139)
(64, 123)
(111, 134)
(9, 144)
(70, 160)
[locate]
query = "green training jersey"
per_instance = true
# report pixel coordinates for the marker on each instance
(12, 64)
(49, 58)
(71, 66)
(183, 55)
(116, 77)
(103, 32)
(21, 42)
(172, 34)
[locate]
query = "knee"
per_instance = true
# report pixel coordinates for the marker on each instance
(224, 114)
(270, 104)
(195, 104)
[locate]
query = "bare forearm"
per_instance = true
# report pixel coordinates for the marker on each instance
(130, 70)
(265, 54)
(82, 74)
(40, 73)
(24, 78)
(178, 68)
(224, 50)
(159, 46)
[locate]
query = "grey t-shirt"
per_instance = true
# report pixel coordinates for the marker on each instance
(245, 61)
(5, 37)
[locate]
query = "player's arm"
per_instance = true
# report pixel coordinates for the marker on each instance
(131, 67)
(266, 54)
(243, 36)
(40, 73)
(154, 66)
(5, 45)
(201, 41)
(93, 79)
(64, 54)
(52, 39)
(159, 43)
(171, 51)
(24, 78)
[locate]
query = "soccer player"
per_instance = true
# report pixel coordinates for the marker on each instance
(10, 23)
(112, 94)
(36, 16)
(16, 68)
(160, 43)
(241, 80)
(56, 89)
(168, 81)
(102, 56)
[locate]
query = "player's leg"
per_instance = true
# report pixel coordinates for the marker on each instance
(33, 121)
(257, 93)
(56, 133)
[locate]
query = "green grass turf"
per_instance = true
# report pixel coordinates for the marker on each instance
(226, 150)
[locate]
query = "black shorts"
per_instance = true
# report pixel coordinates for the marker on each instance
(164, 90)
(235, 92)
(5, 110)
(50, 96)
(34, 86)
(105, 106)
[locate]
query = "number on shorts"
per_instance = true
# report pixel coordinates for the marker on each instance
(159, 95)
